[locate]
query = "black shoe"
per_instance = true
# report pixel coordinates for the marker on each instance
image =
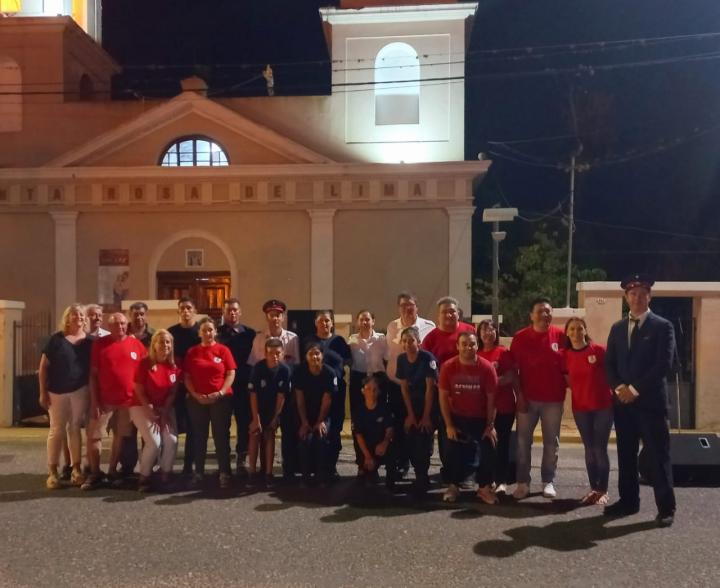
(270, 481)
(665, 519)
(621, 509)
(420, 486)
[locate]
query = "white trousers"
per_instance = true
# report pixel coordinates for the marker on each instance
(67, 416)
(162, 443)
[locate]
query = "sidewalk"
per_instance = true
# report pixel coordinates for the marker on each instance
(38, 432)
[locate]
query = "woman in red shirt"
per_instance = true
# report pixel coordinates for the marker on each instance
(592, 405)
(209, 373)
(156, 383)
(501, 359)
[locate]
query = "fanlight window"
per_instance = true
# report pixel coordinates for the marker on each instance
(194, 151)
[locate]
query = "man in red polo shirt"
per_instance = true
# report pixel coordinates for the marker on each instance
(537, 351)
(467, 400)
(442, 342)
(113, 362)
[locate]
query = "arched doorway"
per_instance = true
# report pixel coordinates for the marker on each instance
(195, 264)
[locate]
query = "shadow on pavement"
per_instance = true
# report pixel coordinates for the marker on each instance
(353, 502)
(24, 487)
(350, 500)
(572, 535)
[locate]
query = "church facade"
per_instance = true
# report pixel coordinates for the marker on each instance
(335, 201)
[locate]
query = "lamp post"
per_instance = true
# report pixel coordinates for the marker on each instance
(496, 216)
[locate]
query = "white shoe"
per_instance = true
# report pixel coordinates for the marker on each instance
(451, 493)
(501, 489)
(521, 491)
(549, 490)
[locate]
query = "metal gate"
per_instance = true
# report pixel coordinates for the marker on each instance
(29, 339)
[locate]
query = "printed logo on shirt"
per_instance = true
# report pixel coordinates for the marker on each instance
(280, 383)
(433, 365)
(555, 347)
(251, 386)
(173, 378)
(263, 383)
(592, 359)
(335, 381)
(379, 419)
(133, 355)
(153, 368)
(217, 359)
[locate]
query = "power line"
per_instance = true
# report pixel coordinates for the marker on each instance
(637, 229)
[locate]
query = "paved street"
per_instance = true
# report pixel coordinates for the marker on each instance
(343, 536)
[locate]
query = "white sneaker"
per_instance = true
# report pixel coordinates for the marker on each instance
(549, 490)
(501, 489)
(451, 493)
(521, 491)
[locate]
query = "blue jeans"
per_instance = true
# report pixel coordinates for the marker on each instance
(550, 415)
(470, 431)
(594, 427)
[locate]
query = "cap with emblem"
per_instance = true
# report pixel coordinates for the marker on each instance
(637, 281)
(274, 305)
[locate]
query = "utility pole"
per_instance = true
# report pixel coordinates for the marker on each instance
(571, 229)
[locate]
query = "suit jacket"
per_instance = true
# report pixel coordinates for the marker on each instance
(646, 366)
(240, 344)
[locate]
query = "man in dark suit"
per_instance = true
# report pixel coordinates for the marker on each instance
(639, 356)
(239, 339)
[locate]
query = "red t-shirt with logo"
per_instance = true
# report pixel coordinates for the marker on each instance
(206, 365)
(503, 362)
(468, 386)
(443, 344)
(538, 357)
(589, 385)
(157, 381)
(116, 363)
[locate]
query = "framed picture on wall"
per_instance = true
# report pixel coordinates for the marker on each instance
(194, 258)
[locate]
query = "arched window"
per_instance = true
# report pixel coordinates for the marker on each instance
(10, 96)
(193, 151)
(397, 85)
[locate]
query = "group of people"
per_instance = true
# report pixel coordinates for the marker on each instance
(418, 379)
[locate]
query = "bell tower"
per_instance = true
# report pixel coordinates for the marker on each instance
(398, 88)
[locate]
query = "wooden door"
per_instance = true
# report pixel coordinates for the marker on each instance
(207, 289)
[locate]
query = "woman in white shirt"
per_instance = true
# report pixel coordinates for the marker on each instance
(368, 356)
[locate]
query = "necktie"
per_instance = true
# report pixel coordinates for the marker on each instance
(634, 333)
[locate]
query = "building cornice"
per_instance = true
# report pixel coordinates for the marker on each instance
(296, 170)
(399, 14)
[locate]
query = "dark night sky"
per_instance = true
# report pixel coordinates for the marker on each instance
(621, 112)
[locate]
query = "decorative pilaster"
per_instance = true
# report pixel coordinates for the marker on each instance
(460, 254)
(65, 260)
(321, 257)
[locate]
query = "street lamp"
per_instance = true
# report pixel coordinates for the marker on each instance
(496, 216)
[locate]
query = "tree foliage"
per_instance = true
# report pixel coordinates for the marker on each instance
(538, 269)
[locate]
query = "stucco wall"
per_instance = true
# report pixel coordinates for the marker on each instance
(27, 260)
(378, 255)
(271, 263)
